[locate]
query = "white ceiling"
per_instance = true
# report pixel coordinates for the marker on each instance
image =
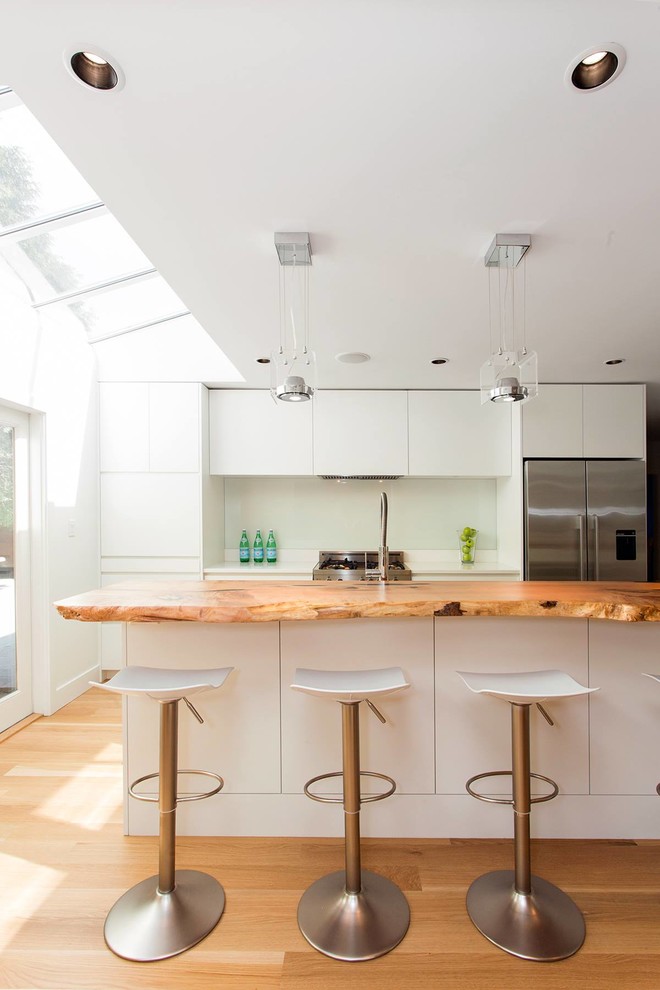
(402, 134)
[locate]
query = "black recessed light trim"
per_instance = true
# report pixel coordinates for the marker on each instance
(586, 76)
(615, 361)
(440, 361)
(95, 72)
(263, 360)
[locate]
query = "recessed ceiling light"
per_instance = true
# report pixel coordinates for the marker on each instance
(596, 67)
(263, 360)
(440, 361)
(615, 361)
(94, 68)
(353, 357)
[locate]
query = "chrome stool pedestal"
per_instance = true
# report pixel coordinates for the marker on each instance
(172, 911)
(352, 914)
(516, 910)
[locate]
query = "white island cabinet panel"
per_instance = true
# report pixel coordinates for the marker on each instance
(614, 421)
(174, 431)
(150, 515)
(474, 731)
(453, 434)
(252, 434)
(311, 726)
(552, 422)
(123, 426)
(625, 713)
(360, 432)
(240, 737)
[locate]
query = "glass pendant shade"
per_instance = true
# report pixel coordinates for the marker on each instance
(509, 376)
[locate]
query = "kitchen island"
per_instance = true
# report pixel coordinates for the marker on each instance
(266, 740)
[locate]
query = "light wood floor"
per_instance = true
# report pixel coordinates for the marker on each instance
(64, 861)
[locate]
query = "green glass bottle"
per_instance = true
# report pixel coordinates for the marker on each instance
(258, 549)
(244, 548)
(271, 549)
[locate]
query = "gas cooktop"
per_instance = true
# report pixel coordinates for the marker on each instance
(337, 565)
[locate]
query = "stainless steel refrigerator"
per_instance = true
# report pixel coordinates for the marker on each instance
(585, 520)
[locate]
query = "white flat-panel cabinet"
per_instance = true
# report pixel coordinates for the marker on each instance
(149, 426)
(123, 426)
(150, 515)
(452, 433)
(552, 422)
(360, 432)
(174, 426)
(311, 726)
(585, 421)
(614, 421)
(474, 730)
(251, 434)
(625, 713)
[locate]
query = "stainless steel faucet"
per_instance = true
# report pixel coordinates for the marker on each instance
(383, 549)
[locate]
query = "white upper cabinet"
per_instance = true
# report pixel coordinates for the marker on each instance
(586, 421)
(360, 432)
(251, 434)
(150, 515)
(452, 433)
(552, 422)
(150, 426)
(124, 426)
(614, 420)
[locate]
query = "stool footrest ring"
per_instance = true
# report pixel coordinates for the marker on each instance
(197, 796)
(507, 773)
(364, 799)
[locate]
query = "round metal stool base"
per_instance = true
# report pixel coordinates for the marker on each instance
(353, 927)
(145, 926)
(543, 926)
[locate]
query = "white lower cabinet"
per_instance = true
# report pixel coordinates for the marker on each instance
(240, 737)
(311, 726)
(474, 731)
(625, 713)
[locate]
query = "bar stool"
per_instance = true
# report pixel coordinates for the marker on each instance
(166, 914)
(521, 913)
(352, 914)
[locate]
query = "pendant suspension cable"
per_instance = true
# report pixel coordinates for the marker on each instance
(524, 304)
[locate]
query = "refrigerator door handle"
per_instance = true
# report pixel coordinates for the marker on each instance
(595, 548)
(583, 545)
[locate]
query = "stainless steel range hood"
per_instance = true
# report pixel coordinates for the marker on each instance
(360, 477)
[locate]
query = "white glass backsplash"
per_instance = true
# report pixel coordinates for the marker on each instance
(313, 514)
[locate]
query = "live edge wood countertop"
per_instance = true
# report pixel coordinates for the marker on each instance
(264, 601)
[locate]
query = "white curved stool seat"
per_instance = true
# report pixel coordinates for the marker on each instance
(521, 913)
(168, 913)
(352, 914)
(349, 685)
(163, 684)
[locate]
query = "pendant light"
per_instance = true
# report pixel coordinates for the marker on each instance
(293, 364)
(511, 372)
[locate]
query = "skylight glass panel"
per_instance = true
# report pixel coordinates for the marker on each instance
(36, 178)
(127, 305)
(70, 258)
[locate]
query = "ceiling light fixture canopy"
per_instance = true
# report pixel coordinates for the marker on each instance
(511, 373)
(293, 364)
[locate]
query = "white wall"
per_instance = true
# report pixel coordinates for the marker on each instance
(314, 514)
(49, 369)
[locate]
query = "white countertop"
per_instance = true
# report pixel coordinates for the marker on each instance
(302, 571)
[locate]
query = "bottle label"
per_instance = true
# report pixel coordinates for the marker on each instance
(258, 555)
(244, 555)
(271, 555)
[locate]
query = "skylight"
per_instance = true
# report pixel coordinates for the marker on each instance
(76, 261)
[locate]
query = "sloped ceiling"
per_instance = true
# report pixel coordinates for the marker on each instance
(402, 134)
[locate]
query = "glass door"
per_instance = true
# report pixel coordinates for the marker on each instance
(15, 651)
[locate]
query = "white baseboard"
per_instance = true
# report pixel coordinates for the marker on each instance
(75, 687)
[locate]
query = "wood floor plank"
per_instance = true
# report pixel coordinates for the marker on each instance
(64, 861)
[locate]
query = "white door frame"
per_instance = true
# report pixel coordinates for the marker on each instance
(31, 589)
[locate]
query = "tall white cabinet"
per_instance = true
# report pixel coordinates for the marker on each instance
(153, 454)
